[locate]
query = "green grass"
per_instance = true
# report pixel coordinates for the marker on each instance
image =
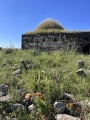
(50, 73)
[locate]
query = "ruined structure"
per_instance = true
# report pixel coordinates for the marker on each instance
(50, 35)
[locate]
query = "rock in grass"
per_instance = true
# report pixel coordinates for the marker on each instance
(80, 64)
(59, 107)
(7, 118)
(67, 97)
(81, 73)
(65, 117)
(31, 107)
(18, 107)
(4, 89)
(6, 98)
(17, 72)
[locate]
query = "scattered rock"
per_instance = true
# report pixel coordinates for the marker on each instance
(80, 64)
(26, 103)
(17, 72)
(7, 118)
(14, 67)
(59, 107)
(18, 107)
(6, 98)
(31, 107)
(81, 72)
(68, 97)
(4, 89)
(65, 117)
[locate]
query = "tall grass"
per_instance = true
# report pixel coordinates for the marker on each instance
(51, 74)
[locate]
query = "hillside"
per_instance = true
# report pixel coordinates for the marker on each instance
(32, 81)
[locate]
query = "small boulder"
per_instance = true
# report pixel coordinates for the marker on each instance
(7, 118)
(68, 97)
(80, 64)
(65, 117)
(81, 72)
(6, 98)
(31, 107)
(59, 107)
(4, 89)
(18, 107)
(17, 72)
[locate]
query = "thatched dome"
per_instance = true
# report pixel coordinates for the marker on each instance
(49, 24)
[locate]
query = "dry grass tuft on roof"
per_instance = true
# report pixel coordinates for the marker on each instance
(49, 24)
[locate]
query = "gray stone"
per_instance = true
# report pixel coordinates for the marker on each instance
(6, 98)
(81, 72)
(4, 89)
(81, 64)
(59, 107)
(31, 107)
(18, 106)
(17, 72)
(65, 117)
(7, 118)
(69, 97)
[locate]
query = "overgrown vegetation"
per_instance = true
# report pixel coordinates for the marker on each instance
(52, 74)
(51, 26)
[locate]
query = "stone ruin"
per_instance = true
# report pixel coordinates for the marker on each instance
(50, 35)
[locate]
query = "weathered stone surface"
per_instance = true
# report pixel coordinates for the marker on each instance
(59, 107)
(69, 97)
(31, 107)
(18, 107)
(4, 89)
(7, 118)
(81, 72)
(65, 117)
(6, 98)
(56, 41)
(81, 64)
(17, 72)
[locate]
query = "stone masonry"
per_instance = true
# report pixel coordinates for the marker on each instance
(50, 35)
(79, 41)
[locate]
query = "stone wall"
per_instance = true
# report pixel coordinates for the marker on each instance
(52, 41)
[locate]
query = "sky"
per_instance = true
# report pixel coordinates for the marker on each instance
(20, 16)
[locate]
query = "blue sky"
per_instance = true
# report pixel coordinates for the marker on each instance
(20, 16)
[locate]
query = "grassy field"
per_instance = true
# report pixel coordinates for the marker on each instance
(52, 74)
